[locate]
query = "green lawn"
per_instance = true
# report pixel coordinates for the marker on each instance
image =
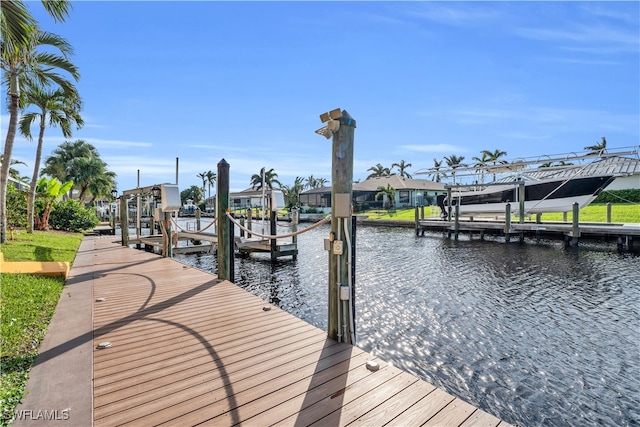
(620, 213)
(42, 246)
(27, 303)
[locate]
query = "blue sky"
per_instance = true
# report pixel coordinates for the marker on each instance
(246, 81)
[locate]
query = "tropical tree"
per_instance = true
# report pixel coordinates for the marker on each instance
(269, 177)
(56, 108)
(436, 174)
(14, 173)
(194, 193)
(481, 163)
(454, 162)
(211, 180)
(402, 168)
(80, 162)
(321, 182)
(388, 195)
(16, 23)
(58, 164)
(292, 193)
(598, 147)
(493, 158)
(90, 172)
(378, 171)
(38, 56)
(311, 182)
(49, 191)
(203, 177)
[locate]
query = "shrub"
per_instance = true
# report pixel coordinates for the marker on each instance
(631, 195)
(69, 215)
(16, 207)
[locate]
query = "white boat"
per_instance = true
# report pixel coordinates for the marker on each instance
(189, 207)
(540, 195)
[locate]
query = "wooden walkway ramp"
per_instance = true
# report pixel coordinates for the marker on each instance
(188, 349)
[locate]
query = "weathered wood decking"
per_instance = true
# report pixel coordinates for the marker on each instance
(188, 349)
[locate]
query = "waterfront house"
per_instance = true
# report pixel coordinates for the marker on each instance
(408, 192)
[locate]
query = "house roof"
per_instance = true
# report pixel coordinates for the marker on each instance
(611, 165)
(397, 183)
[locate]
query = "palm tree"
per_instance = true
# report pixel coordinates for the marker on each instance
(481, 163)
(14, 173)
(402, 167)
(80, 162)
(16, 23)
(436, 174)
(211, 180)
(203, 177)
(311, 182)
(62, 163)
(269, 177)
(88, 172)
(292, 194)
(60, 110)
(388, 194)
(494, 157)
(454, 162)
(378, 171)
(598, 147)
(23, 60)
(321, 182)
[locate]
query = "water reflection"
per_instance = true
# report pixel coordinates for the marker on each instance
(532, 333)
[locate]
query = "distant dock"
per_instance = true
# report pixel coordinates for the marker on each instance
(571, 234)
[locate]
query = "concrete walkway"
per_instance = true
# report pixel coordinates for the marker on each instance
(59, 391)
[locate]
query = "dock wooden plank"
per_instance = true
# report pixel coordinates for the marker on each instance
(390, 408)
(189, 349)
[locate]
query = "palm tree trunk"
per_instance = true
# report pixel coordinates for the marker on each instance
(8, 149)
(34, 179)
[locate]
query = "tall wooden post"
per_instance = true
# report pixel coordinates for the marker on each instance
(124, 220)
(224, 257)
(273, 243)
(575, 226)
(339, 312)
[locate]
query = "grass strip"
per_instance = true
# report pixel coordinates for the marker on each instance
(27, 303)
(42, 246)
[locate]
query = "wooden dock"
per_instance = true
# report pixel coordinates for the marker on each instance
(184, 348)
(623, 234)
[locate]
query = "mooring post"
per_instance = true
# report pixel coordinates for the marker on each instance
(249, 213)
(609, 212)
(507, 222)
(224, 257)
(457, 222)
(294, 228)
(198, 215)
(169, 235)
(417, 221)
(124, 221)
(273, 243)
(340, 315)
(521, 196)
(575, 229)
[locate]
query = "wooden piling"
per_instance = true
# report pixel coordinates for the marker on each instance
(341, 180)
(224, 257)
(124, 221)
(575, 231)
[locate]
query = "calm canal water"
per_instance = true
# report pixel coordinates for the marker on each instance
(531, 333)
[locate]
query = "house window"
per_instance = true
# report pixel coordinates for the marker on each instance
(404, 197)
